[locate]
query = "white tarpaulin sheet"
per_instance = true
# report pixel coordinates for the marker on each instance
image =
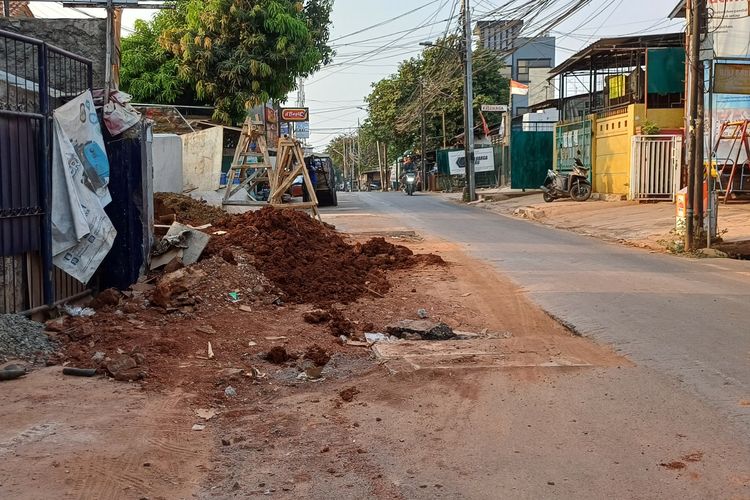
(484, 161)
(730, 25)
(82, 234)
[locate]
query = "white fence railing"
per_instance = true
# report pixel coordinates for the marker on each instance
(655, 167)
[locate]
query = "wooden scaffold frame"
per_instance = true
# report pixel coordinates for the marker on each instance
(290, 163)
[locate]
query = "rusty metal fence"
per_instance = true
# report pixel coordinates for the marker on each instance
(35, 78)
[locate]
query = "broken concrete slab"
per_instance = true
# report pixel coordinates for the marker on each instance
(194, 241)
(420, 330)
(181, 241)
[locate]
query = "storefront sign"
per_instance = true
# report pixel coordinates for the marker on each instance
(295, 114)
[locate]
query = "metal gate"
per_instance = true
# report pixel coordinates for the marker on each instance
(531, 151)
(655, 167)
(574, 140)
(35, 78)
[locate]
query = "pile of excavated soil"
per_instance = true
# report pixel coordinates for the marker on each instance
(309, 261)
(188, 210)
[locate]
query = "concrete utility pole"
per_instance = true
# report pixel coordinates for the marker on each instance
(424, 137)
(359, 153)
(346, 164)
(469, 106)
(695, 144)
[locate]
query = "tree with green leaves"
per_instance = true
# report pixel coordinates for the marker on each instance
(233, 54)
(433, 81)
(149, 72)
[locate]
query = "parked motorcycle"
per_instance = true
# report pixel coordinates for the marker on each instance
(410, 183)
(574, 185)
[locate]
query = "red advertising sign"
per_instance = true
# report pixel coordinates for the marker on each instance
(295, 114)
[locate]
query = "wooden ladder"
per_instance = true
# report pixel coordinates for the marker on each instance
(252, 144)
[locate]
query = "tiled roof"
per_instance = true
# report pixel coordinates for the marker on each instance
(20, 9)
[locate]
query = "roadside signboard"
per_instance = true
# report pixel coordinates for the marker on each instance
(494, 108)
(295, 114)
(484, 161)
(302, 130)
(732, 78)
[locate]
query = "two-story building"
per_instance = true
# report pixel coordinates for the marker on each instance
(527, 60)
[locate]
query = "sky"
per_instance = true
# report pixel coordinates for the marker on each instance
(372, 37)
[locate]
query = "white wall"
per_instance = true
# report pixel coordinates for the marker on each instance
(201, 159)
(167, 163)
(539, 88)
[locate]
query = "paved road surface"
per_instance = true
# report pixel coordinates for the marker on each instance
(685, 319)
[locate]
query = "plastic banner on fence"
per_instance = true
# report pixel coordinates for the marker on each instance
(81, 125)
(484, 161)
(82, 234)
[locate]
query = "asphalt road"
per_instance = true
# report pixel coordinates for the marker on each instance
(685, 319)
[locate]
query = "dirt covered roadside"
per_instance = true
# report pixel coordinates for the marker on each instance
(178, 355)
(218, 327)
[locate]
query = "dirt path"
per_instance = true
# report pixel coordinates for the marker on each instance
(511, 420)
(94, 439)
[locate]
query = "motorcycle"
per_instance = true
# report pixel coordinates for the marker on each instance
(574, 185)
(410, 183)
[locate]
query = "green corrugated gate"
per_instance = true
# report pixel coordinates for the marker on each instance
(530, 158)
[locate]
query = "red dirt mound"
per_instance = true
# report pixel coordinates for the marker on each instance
(188, 210)
(309, 261)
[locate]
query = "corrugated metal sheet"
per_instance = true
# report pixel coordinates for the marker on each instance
(20, 209)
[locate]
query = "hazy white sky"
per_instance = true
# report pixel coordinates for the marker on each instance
(366, 55)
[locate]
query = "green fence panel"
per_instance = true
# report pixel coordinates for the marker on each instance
(530, 158)
(573, 138)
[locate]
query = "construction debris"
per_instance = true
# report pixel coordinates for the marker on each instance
(254, 263)
(174, 289)
(21, 338)
(420, 330)
(181, 242)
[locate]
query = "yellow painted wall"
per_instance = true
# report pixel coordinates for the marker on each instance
(663, 118)
(613, 137)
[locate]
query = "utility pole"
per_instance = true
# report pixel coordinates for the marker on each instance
(424, 137)
(700, 127)
(346, 164)
(468, 105)
(696, 75)
(359, 152)
(6, 8)
(444, 140)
